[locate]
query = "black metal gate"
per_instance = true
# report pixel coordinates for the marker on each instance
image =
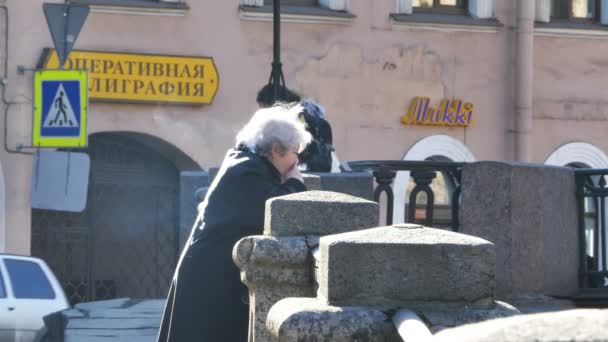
(125, 243)
(592, 196)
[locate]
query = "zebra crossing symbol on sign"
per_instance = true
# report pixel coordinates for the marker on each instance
(61, 113)
(60, 110)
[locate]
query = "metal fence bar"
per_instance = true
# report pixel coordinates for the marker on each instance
(456, 208)
(384, 177)
(580, 192)
(423, 179)
(602, 225)
(593, 273)
(423, 173)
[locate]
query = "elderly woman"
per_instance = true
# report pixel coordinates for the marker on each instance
(207, 301)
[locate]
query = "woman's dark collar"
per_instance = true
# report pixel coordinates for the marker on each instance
(271, 167)
(243, 147)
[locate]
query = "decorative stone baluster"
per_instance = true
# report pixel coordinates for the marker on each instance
(273, 269)
(279, 264)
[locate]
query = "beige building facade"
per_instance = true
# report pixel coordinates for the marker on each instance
(532, 75)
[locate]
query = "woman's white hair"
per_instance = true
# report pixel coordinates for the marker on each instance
(275, 125)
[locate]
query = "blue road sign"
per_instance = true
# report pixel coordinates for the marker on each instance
(60, 108)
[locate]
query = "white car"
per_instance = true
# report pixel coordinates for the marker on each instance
(28, 291)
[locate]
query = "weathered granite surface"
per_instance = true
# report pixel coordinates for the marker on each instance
(528, 212)
(272, 261)
(406, 266)
(440, 318)
(273, 268)
(318, 213)
(570, 325)
(311, 320)
(537, 303)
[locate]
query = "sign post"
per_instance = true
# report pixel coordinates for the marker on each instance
(65, 22)
(60, 108)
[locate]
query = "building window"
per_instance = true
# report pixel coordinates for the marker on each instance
(145, 7)
(457, 15)
(572, 17)
(577, 10)
(294, 2)
(301, 11)
(335, 5)
(443, 6)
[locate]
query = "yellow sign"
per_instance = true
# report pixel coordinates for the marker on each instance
(60, 108)
(125, 77)
(449, 113)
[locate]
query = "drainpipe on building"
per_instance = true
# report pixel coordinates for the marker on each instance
(4, 84)
(524, 74)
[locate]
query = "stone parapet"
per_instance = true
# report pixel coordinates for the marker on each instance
(318, 213)
(439, 317)
(267, 260)
(529, 212)
(272, 268)
(406, 266)
(311, 320)
(572, 325)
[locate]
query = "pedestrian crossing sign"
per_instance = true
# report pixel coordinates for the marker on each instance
(60, 108)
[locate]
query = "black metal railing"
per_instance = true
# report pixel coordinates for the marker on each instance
(592, 194)
(423, 173)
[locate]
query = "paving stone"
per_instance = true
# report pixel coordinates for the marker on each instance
(104, 304)
(73, 313)
(114, 323)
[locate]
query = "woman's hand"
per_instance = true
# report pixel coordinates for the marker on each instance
(294, 172)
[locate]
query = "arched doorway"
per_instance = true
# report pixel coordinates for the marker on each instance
(434, 148)
(126, 242)
(578, 153)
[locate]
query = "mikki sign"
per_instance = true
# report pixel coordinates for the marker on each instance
(450, 112)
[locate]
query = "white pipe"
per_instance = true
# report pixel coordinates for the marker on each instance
(410, 327)
(524, 80)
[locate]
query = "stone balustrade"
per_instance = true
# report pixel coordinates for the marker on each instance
(279, 264)
(366, 276)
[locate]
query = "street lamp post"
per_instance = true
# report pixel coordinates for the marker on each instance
(275, 90)
(276, 46)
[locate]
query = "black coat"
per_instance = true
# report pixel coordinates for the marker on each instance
(207, 301)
